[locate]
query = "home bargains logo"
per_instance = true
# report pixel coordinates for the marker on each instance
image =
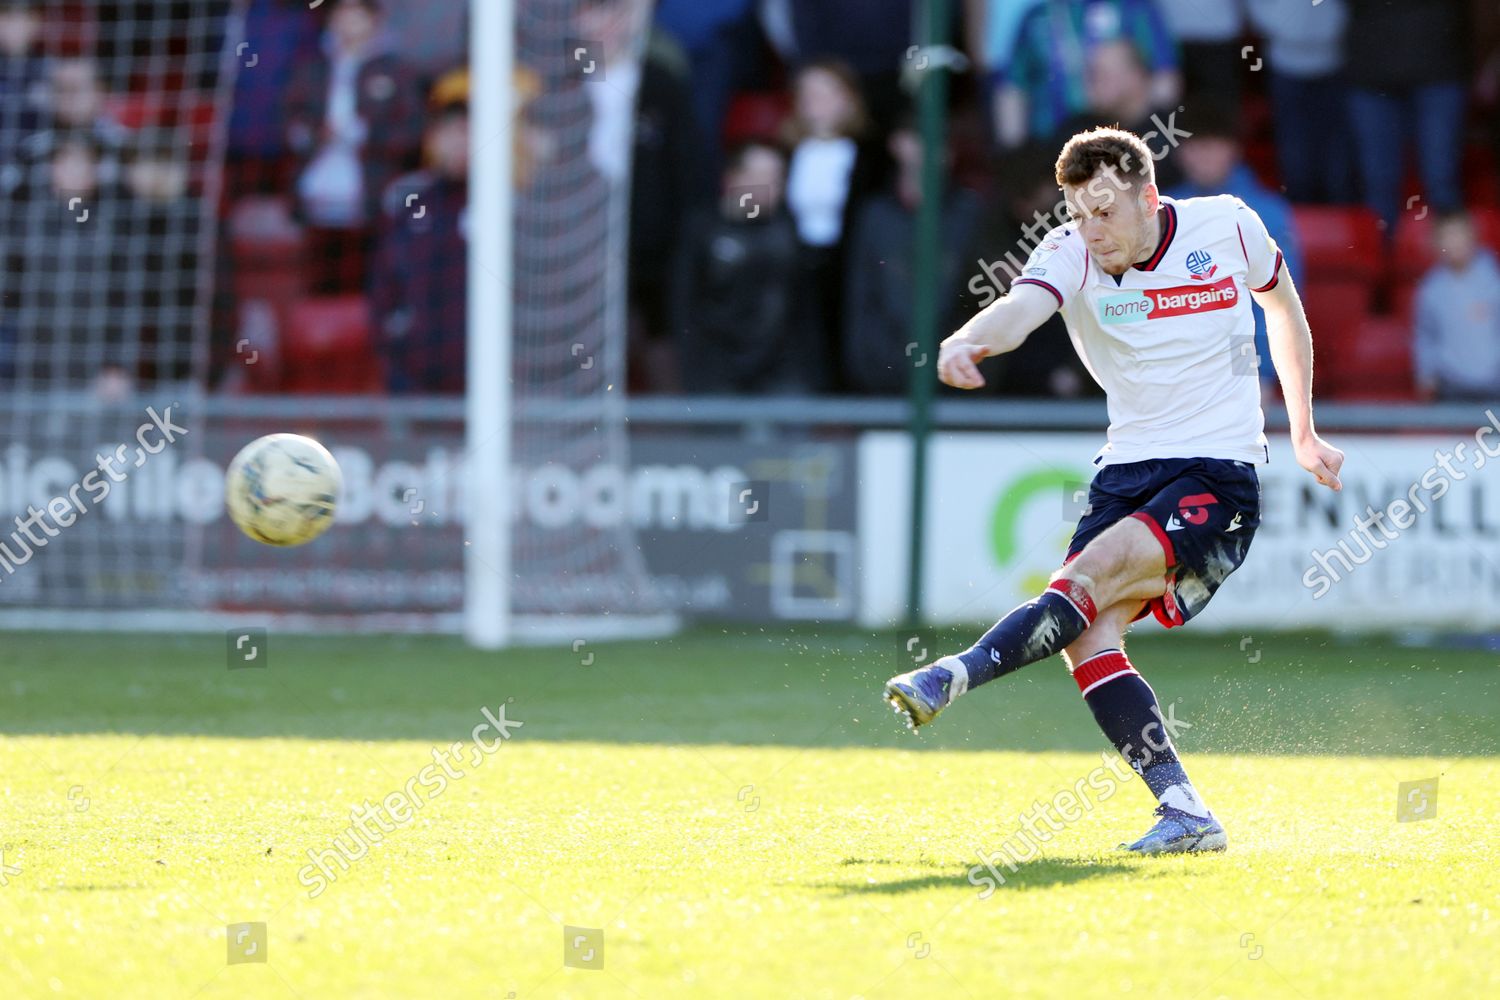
(1163, 303)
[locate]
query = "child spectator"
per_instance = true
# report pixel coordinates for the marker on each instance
(1456, 343)
(832, 170)
(878, 309)
(734, 294)
(420, 288)
(23, 75)
(354, 120)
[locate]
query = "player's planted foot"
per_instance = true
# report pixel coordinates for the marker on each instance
(919, 695)
(1178, 832)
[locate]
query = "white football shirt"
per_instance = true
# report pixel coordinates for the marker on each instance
(1172, 341)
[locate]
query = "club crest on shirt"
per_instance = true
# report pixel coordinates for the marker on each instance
(1201, 265)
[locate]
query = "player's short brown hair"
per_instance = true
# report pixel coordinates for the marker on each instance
(1112, 151)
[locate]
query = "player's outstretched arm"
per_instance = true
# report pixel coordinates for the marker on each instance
(1292, 354)
(1000, 327)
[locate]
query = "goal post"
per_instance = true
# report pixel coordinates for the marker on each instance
(487, 407)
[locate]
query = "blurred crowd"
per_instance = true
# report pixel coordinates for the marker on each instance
(774, 164)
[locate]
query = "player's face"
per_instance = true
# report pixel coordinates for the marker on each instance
(1115, 221)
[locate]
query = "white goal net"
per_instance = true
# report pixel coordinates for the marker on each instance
(168, 258)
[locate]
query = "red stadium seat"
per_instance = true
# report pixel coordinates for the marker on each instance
(755, 115)
(327, 346)
(266, 253)
(1341, 250)
(1379, 365)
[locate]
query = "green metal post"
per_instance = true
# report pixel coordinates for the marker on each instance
(933, 24)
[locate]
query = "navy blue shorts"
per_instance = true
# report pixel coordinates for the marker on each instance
(1204, 511)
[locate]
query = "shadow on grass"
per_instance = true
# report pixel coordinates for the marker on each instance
(1040, 873)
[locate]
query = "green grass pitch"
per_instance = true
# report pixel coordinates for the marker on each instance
(732, 814)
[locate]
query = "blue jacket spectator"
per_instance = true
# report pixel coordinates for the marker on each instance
(1456, 346)
(1212, 161)
(279, 34)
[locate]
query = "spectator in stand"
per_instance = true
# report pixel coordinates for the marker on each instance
(1213, 161)
(1309, 97)
(870, 37)
(23, 75)
(1046, 81)
(432, 37)
(420, 289)
(1456, 342)
(833, 168)
(1209, 36)
(76, 108)
(1027, 206)
(643, 126)
(992, 29)
(159, 230)
(354, 121)
(1408, 70)
(734, 294)
(279, 36)
(66, 264)
(1119, 93)
(718, 38)
(881, 268)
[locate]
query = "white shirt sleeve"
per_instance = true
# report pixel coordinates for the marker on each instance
(1059, 264)
(1262, 255)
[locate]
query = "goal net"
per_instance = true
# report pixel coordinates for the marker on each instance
(110, 144)
(198, 229)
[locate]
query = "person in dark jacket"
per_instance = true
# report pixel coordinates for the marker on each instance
(879, 352)
(1408, 69)
(419, 295)
(354, 122)
(734, 291)
(23, 74)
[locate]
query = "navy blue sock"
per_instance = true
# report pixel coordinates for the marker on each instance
(1034, 631)
(1126, 709)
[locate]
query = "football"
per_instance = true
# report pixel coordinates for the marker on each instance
(282, 489)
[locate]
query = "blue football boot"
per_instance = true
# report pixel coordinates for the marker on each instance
(1178, 832)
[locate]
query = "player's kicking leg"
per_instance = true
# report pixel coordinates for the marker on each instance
(1127, 711)
(1123, 563)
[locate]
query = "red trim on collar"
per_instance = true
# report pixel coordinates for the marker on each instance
(1168, 231)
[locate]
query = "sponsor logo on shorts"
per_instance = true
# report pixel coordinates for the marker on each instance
(1194, 509)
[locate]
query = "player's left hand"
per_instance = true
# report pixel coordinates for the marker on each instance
(1322, 459)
